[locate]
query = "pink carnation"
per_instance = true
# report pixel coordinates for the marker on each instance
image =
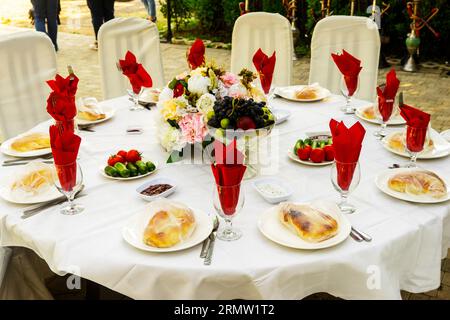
(192, 128)
(229, 79)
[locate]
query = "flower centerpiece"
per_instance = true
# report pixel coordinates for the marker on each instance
(190, 101)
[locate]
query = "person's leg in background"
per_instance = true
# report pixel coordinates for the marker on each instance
(108, 10)
(39, 15)
(52, 21)
(96, 8)
(152, 10)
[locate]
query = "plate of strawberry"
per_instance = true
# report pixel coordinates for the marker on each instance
(314, 150)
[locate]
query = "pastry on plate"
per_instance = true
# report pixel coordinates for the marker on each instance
(397, 142)
(89, 110)
(31, 142)
(306, 222)
(369, 112)
(418, 183)
(306, 93)
(169, 225)
(35, 179)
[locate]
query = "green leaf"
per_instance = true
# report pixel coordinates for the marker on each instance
(175, 156)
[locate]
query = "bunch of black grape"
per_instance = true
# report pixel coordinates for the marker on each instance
(231, 113)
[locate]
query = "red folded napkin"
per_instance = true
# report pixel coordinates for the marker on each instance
(135, 72)
(350, 68)
(347, 143)
(386, 95)
(417, 125)
(65, 146)
(61, 101)
(414, 117)
(265, 67)
(196, 54)
(228, 173)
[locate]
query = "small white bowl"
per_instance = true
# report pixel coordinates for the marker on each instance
(274, 181)
(160, 180)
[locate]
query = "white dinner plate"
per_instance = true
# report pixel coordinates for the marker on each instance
(288, 93)
(5, 148)
(109, 113)
(102, 172)
(50, 193)
(440, 149)
(281, 115)
(393, 121)
(382, 183)
(271, 227)
(133, 231)
(295, 158)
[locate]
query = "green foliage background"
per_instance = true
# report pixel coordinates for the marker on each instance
(214, 19)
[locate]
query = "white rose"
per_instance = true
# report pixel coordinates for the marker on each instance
(205, 103)
(237, 90)
(198, 84)
(166, 94)
(170, 138)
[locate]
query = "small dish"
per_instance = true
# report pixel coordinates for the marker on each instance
(277, 185)
(160, 180)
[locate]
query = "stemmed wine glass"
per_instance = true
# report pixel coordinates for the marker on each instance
(415, 141)
(345, 92)
(345, 178)
(68, 180)
(384, 113)
(135, 98)
(228, 201)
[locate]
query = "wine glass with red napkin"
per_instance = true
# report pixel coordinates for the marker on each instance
(265, 67)
(416, 131)
(345, 172)
(196, 54)
(69, 177)
(228, 171)
(386, 97)
(138, 76)
(350, 67)
(61, 101)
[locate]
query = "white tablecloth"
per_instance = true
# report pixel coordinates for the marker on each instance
(409, 239)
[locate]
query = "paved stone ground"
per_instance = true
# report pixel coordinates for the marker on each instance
(428, 90)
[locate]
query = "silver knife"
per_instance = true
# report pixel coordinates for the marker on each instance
(363, 235)
(21, 163)
(208, 258)
(355, 236)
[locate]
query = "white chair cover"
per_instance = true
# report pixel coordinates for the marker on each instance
(358, 36)
(268, 31)
(28, 60)
(115, 38)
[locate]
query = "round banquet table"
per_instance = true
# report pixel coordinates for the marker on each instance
(409, 239)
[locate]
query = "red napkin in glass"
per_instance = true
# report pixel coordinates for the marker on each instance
(417, 125)
(265, 67)
(196, 54)
(135, 72)
(61, 101)
(228, 172)
(386, 95)
(65, 145)
(347, 143)
(350, 68)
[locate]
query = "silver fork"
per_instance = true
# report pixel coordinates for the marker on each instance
(207, 241)
(44, 157)
(364, 236)
(212, 242)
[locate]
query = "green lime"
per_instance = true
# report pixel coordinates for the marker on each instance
(224, 123)
(210, 114)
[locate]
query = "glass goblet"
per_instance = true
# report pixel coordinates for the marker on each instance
(345, 178)
(68, 180)
(384, 113)
(228, 201)
(135, 99)
(415, 142)
(347, 108)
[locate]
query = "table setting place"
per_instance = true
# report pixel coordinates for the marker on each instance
(227, 186)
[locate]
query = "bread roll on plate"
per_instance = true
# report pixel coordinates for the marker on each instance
(418, 183)
(170, 224)
(307, 222)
